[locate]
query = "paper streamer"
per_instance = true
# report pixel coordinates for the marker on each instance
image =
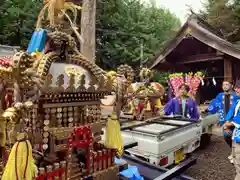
(214, 81)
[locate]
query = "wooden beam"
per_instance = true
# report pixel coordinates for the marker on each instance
(166, 67)
(88, 29)
(199, 58)
(227, 69)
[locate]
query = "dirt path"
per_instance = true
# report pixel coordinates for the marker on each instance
(212, 162)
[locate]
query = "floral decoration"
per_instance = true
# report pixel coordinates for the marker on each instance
(190, 79)
(176, 80)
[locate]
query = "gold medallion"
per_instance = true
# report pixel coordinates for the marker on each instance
(45, 134)
(70, 119)
(46, 128)
(45, 146)
(46, 122)
(45, 140)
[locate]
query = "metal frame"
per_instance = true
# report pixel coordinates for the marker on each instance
(161, 120)
(164, 174)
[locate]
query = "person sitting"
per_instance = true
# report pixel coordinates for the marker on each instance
(182, 104)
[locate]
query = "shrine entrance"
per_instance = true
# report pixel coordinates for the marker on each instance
(199, 47)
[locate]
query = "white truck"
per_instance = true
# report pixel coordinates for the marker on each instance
(166, 141)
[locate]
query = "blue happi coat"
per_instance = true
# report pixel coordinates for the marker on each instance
(234, 116)
(174, 107)
(218, 106)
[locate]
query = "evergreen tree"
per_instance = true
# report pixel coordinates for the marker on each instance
(122, 26)
(224, 15)
(18, 19)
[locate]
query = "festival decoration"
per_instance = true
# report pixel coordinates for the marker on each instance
(176, 80)
(195, 83)
(6, 60)
(37, 42)
(145, 74)
(157, 87)
(113, 134)
(145, 100)
(192, 80)
(49, 125)
(112, 75)
(214, 81)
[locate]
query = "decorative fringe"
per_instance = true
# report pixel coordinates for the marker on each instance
(111, 75)
(113, 135)
(55, 9)
(3, 133)
(146, 74)
(131, 107)
(20, 165)
(158, 103)
(148, 106)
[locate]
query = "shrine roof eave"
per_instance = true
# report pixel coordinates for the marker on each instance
(194, 28)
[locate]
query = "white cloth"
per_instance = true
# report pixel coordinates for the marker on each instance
(236, 108)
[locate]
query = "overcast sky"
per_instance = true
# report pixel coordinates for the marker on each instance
(179, 7)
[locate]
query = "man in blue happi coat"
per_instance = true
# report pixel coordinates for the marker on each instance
(221, 104)
(233, 122)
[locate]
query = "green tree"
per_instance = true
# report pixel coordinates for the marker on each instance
(18, 20)
(223, 15)
(123, 25)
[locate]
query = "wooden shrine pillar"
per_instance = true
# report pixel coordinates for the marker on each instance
(228, 69)
(88, 29)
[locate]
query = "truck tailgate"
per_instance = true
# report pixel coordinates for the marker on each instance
(153, 172)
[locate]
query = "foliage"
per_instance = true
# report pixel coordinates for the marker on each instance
(161, 77)
(223, 15)
(123, 25)
(18, 19)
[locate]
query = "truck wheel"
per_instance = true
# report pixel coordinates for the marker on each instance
(205, 140)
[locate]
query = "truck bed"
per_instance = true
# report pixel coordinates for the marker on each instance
(154, 172)
(162, 137)
(158, 126)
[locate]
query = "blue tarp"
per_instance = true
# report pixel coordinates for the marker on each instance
(131, 173)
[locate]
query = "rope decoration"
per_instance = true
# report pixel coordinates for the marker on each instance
(128, 71)
(146, 74)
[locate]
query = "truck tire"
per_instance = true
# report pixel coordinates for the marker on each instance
(205, 140)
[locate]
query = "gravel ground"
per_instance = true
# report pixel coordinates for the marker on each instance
(212, 162)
